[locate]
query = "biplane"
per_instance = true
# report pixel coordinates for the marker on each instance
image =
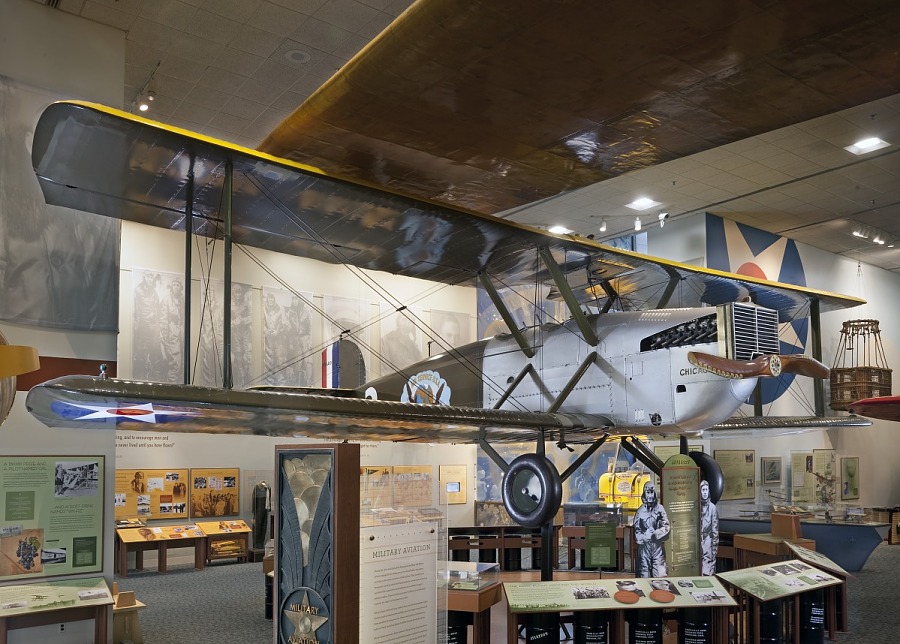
(651, 347)
(400, 162)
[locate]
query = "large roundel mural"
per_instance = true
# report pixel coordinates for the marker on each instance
(745, 250)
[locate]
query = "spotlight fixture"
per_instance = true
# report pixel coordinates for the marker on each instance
(637, 223)
(642, 203)
(603, 226)
(663, 216)
(147, 94)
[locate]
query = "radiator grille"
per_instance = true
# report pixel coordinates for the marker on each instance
(750, 331)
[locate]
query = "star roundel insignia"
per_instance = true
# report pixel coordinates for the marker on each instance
(305, 619)
(145, 413)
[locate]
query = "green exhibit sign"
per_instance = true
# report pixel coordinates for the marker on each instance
(681, 499)
(600, 544)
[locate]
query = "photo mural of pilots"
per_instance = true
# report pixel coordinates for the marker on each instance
(709, 531)
(157, 324)
(402, 340)
(651, 531)
(449, 330)
(58, 267)
(210, 364)
(289, 338)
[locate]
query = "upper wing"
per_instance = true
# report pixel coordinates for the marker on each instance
(105, 161)
(490, 104)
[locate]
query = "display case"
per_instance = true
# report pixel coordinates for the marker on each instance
(466, 575)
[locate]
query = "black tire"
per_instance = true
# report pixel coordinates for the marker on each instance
(711, 473)
(532, 491)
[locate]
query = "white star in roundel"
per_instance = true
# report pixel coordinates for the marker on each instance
(144, 413)
(767, 264)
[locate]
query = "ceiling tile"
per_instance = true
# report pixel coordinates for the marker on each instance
(197, 49)
(238, 62)
(320, 34)
(192, 114)
(183, 68)
(278, 75)
(278, 20)
(207, 97)
(212, 26)
(172, 13)
(239, 10)
(128, 6)
(259, 91)
(228, 123)
(147, 31)
(243, 108)
(256, 41)
(349, 15)
(222, 79)
(108, 15)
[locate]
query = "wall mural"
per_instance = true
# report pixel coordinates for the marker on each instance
(58, 267)
(745, 250)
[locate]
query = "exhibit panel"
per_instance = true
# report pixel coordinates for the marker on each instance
(316, 582)
(52, 516)
(151, 493)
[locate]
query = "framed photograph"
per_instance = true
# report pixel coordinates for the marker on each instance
(849, 478)
(770, 470)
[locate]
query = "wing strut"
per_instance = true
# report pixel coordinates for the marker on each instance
(559, 279)
(561, 398)
(674, 278)
(509, 390)
(506, 315)
(584, 456)
(227, 381)
(188, 240)
(640, 451)
(611, 296)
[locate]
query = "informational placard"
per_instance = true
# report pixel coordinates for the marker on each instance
(453, 482)
(803, 479)
(739, 468)
(159, 533)
(52, 516)
(681, 499)
(778, 580)
(825, 471)
(398, 576)
(816, 559)
(151, 494)
(28, 598)
(375, 487)
(600, 544)
(608, 594)
(412, 486)
(849, 478)
(215, 492)
(665, 452)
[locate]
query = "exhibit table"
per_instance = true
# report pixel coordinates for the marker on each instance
(847, 543)
(38, 604)
(758, 549)
(615, 596)
(226, 539)
(478, 602)
(161, 539)
(788, 580)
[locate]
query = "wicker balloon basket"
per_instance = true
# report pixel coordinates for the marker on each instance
(860, 369)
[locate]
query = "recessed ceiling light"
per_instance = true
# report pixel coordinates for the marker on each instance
(559, 230)
(297, 56)
(642, 203)
(867, 145)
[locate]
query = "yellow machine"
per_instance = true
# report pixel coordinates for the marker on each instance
(624, 486)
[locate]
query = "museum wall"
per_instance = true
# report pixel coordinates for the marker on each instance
(46, 55)
(146, 248)
(878, 446)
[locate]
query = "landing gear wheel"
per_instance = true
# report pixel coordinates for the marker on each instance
(711, 473)
(532, 490)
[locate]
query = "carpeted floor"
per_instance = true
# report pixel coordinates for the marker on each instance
(225, 603)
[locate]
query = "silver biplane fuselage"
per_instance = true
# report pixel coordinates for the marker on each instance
(637, 376)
